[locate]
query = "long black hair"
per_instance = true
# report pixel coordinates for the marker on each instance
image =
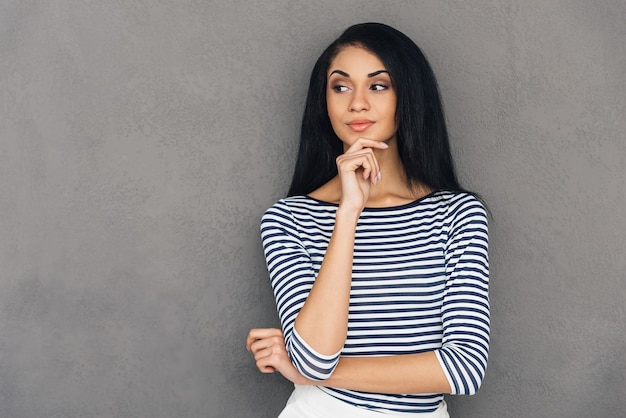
(422, 136)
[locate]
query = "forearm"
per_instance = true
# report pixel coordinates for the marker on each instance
(407, 373)
(323, 320)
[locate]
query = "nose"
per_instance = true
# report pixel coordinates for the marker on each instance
(358, 101)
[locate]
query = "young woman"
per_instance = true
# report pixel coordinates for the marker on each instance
(378, 258)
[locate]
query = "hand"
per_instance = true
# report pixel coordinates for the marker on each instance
(358, 170)
(268, 347)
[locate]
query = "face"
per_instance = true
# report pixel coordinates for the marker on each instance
(360, 99)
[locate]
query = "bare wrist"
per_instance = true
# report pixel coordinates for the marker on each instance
(346, 214)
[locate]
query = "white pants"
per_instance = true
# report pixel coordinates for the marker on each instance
(312, 402)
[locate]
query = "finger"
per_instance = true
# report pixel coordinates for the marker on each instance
(260, 333)
(270, 359)
(362, 143)
(369, 144)
(262, 353)
(375, 168)
(265, 366)
(364, 159)
(355, 159)
(272, 342)
(262, 343)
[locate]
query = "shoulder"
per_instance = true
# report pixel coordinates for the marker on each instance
(286, 205)
(294, 209)
(461, 207)
(279, 210)
(294, 217)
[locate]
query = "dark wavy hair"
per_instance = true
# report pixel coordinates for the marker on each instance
(422, 135)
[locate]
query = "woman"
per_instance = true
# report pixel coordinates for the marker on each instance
(378, 258)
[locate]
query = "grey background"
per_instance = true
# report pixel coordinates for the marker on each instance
(140, 142)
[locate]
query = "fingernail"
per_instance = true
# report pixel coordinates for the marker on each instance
(379, 176)
(384, 145)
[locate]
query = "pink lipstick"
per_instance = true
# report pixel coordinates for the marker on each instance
(360, 125)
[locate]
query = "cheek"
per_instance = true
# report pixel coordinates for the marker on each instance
(391, 114)
(333, 113)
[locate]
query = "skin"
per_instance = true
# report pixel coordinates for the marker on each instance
(361, 106)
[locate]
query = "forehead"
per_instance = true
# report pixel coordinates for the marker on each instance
(356, 60)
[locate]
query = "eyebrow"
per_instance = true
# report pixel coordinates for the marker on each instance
(370, 75)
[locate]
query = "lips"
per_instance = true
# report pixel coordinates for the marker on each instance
(360, 125)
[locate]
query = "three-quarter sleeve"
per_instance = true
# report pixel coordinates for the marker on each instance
(465, 310)
(292, 276)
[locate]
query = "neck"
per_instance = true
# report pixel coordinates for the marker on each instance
(393, 189)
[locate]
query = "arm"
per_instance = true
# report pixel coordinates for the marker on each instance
(369, 374)
(458, 367)
(465, 312)
(296, 289)
(292, 276)
(407, 373)
(323, 320)
(314, 309)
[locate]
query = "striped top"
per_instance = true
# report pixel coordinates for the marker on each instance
(419, 283)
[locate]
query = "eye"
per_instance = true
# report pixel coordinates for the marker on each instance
(378, 87)
(340, 89)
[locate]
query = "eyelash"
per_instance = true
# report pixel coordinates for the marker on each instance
(374, 87)
(338, 89)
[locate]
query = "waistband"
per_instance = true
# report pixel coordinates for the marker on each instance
(312, 402)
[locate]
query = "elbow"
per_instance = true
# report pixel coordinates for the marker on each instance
(313, 369)
(310, 364)
(465, 372)
(470, 382)
(473, 388)
(316, 377)
(465, 385)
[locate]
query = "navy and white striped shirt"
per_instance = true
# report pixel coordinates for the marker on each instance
(419, 283)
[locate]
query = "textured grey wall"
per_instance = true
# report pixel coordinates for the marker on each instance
(140, 142)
